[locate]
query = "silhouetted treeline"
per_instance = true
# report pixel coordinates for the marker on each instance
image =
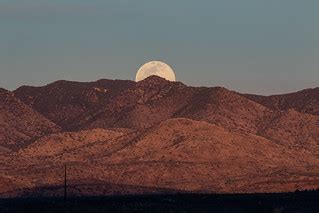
(299, 201)
(307, 191)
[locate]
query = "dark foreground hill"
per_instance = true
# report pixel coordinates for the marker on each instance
(288, 202)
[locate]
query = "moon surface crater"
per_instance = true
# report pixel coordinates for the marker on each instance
(157, 68)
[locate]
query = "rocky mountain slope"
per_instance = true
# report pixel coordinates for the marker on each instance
(176, 155)
(64, 101)
(20, 124)
(79, 106)
(306, 101)
(156, 136)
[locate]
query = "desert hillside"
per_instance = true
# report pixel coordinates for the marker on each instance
(155, 136)
(20, 124)
(303, 101)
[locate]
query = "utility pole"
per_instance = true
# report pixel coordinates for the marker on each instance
(65, 182)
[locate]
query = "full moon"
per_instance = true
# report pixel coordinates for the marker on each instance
(155, 68)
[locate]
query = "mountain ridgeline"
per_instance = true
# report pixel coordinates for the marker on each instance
(154, 136)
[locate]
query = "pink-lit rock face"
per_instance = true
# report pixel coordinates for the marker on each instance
(122, 137)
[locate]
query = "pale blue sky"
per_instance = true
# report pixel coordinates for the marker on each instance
(255, 46)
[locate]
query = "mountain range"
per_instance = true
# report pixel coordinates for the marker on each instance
(155, 136)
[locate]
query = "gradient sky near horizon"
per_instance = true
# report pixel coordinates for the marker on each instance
(253, 46)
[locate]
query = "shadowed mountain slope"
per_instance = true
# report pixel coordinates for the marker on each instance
(306, 101)
(20, 124)
(145, 104)
(140, 105)
(126, 104)
(63, 101)
(157, 134)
